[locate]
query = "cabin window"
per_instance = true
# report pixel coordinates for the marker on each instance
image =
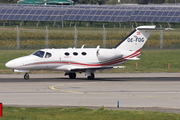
(75, 53)
(39, 54)
(83, 53)
(66, 53)
(48, 55)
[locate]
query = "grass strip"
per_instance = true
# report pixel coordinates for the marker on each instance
(82, 113)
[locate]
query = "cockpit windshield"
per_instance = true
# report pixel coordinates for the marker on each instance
(39, 54)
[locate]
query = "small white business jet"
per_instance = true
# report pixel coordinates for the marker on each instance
(86, 60)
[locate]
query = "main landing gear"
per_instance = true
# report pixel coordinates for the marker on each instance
(72, 75)
(26, 76)
(91, 77)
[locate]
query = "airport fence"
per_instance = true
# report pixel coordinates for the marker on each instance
(21, 38)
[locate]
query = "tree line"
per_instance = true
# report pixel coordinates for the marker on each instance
(147, 1)
(76, 1)
(8, 1)
(100, 2)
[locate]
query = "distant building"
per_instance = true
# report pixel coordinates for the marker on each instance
(46, 2)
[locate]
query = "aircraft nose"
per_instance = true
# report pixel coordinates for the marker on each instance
(10, 64)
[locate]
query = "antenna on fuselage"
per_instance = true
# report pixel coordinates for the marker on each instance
(98, 46)
(82, 46)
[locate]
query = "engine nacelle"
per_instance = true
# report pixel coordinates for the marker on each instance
(104, 54)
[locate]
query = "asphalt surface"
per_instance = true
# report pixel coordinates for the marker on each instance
(149, 91)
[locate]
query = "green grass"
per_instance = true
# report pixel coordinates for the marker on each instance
(150, 61)
(81, 113)
(156, 61)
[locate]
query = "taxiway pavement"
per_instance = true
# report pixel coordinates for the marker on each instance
(154, 91)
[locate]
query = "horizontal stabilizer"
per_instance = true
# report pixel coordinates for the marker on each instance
(135, 58)
(119, 67)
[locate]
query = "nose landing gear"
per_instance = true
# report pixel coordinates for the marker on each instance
(26, 76)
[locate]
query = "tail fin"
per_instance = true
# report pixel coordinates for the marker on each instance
(136, 39)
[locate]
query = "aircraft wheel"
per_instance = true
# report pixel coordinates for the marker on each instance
(26, 76)
(91, 77)
(72, 75)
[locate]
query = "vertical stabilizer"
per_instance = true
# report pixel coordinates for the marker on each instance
(136, 39)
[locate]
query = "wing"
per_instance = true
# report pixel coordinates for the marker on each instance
(94, 68)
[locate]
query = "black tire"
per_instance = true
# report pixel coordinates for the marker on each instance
(26, 76)
(72, 75)
(91, 77)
